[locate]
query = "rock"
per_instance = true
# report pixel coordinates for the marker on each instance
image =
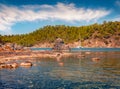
(87, 52)
(1, 49)
(2, 65)
(14, 65)
(60, 46)
(18, 47)
(58, 56)
(27, 63)
(81, 56)
(10, 47)
(5, 66)
(10, 65)
(95, 59)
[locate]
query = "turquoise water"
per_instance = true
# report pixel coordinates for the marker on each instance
(82, 49)
(95, 49)
(42, 49)
(67, 73)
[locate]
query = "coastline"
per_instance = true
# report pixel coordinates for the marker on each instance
(8, 56)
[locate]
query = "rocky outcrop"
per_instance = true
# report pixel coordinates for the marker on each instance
(107, 42)
(110, 42)
(59, 45)
(10, 47)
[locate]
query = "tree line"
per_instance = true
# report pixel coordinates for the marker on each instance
(68, 33)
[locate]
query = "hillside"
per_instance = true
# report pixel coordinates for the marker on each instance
(96, 35)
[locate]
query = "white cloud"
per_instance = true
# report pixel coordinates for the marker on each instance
(9, 15)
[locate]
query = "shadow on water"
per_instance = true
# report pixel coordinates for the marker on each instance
(67, 73)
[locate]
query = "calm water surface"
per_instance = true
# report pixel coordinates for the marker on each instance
(67, 73)
(84, 49)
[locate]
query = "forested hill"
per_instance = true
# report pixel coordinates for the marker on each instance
(70, 34)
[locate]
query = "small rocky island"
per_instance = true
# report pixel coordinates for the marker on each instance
(60, 46)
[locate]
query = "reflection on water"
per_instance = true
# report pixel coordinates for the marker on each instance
(67, 73)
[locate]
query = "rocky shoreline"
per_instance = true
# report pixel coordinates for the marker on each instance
(8, 59)
(10, 53)
(109, 43)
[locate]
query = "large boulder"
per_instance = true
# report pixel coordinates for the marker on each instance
(18, 47)
(59, 45)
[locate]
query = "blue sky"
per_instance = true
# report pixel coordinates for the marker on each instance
(24, 16)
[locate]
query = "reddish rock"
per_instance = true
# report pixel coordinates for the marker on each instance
(95, 59)
(27, 63)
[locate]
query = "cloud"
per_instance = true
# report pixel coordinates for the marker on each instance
(10, 15)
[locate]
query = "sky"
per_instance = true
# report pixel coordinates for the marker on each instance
(25, 16)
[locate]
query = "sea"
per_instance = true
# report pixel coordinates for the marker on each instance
(82, 49)
(72, 72)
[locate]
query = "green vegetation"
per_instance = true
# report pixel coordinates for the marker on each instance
(68, 33)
